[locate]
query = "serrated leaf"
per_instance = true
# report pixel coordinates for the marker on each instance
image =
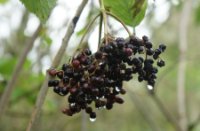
(131, 12)
(41, 8)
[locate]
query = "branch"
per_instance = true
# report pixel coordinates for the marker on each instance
(170, 118)
(183, 31)
(18, 68)
(120, 21)
(86, 32)
(83, 121)
(144, 111)
(43, 91)
(100, 29)
(105, 22)
(192, 125)
(24, 21)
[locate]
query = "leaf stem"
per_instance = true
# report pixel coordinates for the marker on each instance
(87, 30)
(103, 11)
(120, 21)
(100, 28)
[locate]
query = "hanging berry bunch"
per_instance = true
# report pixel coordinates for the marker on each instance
(97, 79)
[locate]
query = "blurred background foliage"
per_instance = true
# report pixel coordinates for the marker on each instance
(139, 112)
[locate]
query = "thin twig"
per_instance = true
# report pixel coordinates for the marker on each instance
(192, 125)
(85, 33)
(100, 29)
(18, 68)
(43, 91)
(165, 112)
(83, 121)
(104, 20)
(144, 111)
(24, 21)
(120, 21)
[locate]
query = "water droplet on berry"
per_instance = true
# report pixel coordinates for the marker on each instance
(149, 87)
(60, 93)
(98, 108)
(117, 89)
(98, 78)
(72, 104)
(92, 119)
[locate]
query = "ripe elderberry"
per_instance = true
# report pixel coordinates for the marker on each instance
(98, 78)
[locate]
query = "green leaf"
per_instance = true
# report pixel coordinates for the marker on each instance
(3, 1)
(82, 31)
(47, 40)
(24, 88)
(6, 66)
(41, 8)
(131, 12)
(197, 15)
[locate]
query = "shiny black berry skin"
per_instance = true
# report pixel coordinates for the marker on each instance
(87, 52)
(88, 110)
(162, 47)
(93, 115)
(98, 55)
(109, 106)
(52, 83)
(56, 89)
(96, 80)
(161, 63)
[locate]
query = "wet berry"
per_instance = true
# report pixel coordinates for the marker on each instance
(109, 106)
(60, 75)
(162, 47)
(119, 100)
(52, 72)
(98, 55)
(145, 38)
(87, 52)
(75, 63)
(161, 63)
(96, 80)
(128, 51)
(53, 83)
(93, 115)
(88, 110)
(56, 89)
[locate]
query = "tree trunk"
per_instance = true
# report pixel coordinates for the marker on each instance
(183, 34)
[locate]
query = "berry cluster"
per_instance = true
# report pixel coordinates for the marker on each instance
(99, 77)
